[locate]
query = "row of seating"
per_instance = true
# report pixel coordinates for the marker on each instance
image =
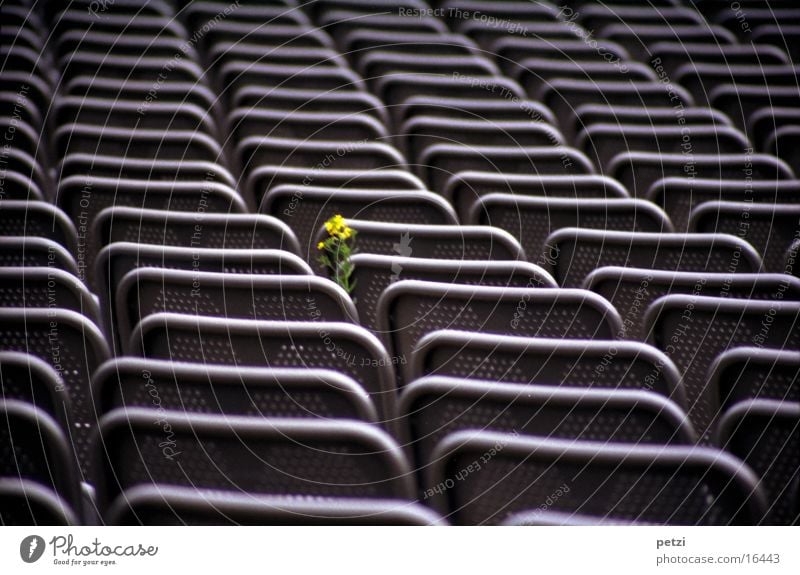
(553, 298)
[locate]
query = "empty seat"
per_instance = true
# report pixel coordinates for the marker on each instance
(665, 485)
(168, 505)
(21, 251)
(532, 219)
(739, 102)
(588, 364)
(765, 434)
(145, 291)
(248, 455)
(44, 287)
(248, 122)
(28, 378)
(673, 55)
(409, 309)
(202, 388)
(783, 143)
(763, 123)
(745, 373)
(632, 290)
(24, 502)
(343, 347)
(37, 219)
(573, 253)
(694, 330)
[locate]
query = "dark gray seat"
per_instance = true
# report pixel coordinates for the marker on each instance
(28, 378)
(30, 252)
(45, 287)
(655, 484)
(37, 219)
(25, 502)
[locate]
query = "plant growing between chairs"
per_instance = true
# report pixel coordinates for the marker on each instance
(337, 249)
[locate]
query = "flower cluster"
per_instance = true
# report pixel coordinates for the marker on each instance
(336, 251)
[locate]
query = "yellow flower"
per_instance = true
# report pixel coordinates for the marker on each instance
(321, 246)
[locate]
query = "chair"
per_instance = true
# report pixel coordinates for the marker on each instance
(632, 290)
(673, 55)
(638, 38)
(44, 287)
(693, 339)
(740, 102)
(306, 208)
(342, 347)
(373, 273)
(464, 189)
(36, 450)
(590, 114)
(37, 219)
(664, 485)
(745, 373)
(783, 143)
(587, 364)
(511, 50)
(679, 196)
(770, 228)
(763, 122)
(639, 171)
(534, 74)
(247, 455)
(765, 434)
(201, 388)
(238, 73)
(33, 252)
(145, 291)
(573, 253)
(28, 378)
(700, 78)
(24, 502)
(198, 229)
(21, 188)
(408, 310)
(433, 407)
(248, 122)
(532, 219)
(466, 108)
(168, 505)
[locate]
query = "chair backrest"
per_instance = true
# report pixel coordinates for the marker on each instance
(433, 407)
(588, 364)
(27, 378)
(409, 309)
(573, 253)
(25, 502)
(20, 251)
(202, 388)
(546, 518)
(465, 188)
(632, 290)
(746, 373)
(343, 347)
(43, 287)
(657, 484)
(246, 454)
(197, 230)
(145, 291)
(306, 208)
(770, 229)
(374, 273)
(765, 434)
(37, 219)
(532, 219)
(169, 505)
(36, 449)
(694, 330)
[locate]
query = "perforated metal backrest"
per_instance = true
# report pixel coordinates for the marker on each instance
(199, 229)
(590, 114)
(532, 219)
(588, 364)
(409, 309)
(37, 219)
(746, 373)
(238, 73)
(439, 162)
(465, 188)
(771, 228)
(693, 339)
(632, 290)
(673, 54)
(513, 49)
(679, 196)
(573, 253)
(379, 63)
(20, 251)
(73, 346)
(167, 505)
(765, 434)
(18, 187)
(24, 502)
(145, 291)
(43, 287)
(35, 448)
(30, 379)
(374, 273)
(740, 101)
(638, 171)
(433, 407)
(306, 208)
(638, 38)
(763, 122)
(534, 74)
(250, 455)
(465, 107)
(248, 122)
(666, 485)
(201, 388)
(342, 347)
(119, 258)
